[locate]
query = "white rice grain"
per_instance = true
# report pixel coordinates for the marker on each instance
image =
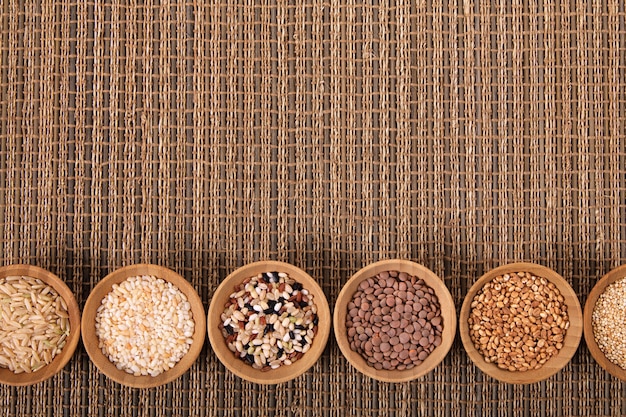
(135, 325)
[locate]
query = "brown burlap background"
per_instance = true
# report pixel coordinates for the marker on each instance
(205, 135)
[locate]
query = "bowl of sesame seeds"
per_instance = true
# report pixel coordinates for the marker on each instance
(40, 324)
(268, 322)
(394, 320)
(143, 325)
(604, 318)
(521, 323)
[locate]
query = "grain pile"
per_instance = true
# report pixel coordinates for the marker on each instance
(608, 320)
(35, 324)
(518, 321)
(145, 325)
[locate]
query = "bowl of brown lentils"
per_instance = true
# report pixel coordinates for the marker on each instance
(40, 324)
(521, 323)
(268, 322)
(604, 318)
(394, 320)
(143, 325)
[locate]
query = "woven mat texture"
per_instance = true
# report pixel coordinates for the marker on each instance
(205, 135)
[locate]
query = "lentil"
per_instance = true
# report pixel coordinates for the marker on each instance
(144, 325)
(388, 307)
(608, 318)
(269, 320)
(518, 321)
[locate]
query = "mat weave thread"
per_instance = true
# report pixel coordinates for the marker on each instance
(205, 135)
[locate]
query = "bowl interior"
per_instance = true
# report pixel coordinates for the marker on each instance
(448, 314)
(595, 293)
(90, 339)
(570, 342)
(238, 366)
(9, 377)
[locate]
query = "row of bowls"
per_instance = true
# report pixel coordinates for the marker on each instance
(86, 325)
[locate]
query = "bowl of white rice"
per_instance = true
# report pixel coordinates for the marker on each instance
(143, 325)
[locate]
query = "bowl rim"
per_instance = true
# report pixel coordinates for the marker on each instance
(239, 367)
(607, 279)
(7, 377)
(570, 342)
(90, 339)
(448, 312)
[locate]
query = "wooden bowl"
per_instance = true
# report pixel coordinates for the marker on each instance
(448, 314)
(570, 342)
(90, 339)
(598, 289)
(238, 366)
(9, 377)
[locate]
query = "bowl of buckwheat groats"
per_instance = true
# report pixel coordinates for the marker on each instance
(521, 323)
(143, 325)
(394, 320)
(40, 324)
(605, 322)
(268, 322)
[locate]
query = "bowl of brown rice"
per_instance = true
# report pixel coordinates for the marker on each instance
(40, 324)
(143, 325)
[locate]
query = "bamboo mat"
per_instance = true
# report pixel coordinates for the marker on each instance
(205, 135)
